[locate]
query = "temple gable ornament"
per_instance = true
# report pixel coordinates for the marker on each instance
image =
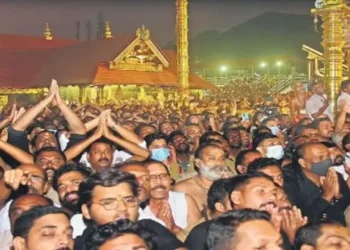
(141, 55)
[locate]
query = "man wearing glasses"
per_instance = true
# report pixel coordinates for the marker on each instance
(111, 195)
(26, 179)
(177, 210)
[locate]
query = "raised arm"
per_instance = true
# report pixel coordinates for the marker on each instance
(23, 121)
(75, 124)
(140, 154)
(77, 149)
(125, 133)
(20, 155)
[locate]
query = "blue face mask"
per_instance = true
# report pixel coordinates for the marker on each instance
(160, 154)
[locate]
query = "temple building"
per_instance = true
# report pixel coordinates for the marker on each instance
(115, 68)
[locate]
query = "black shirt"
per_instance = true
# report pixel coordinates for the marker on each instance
(308, 197)
(162, 237)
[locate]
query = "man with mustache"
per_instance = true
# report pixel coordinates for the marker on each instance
(210, 166)
(325, 129)
(43, 228)
(66, 183)
(177, 210)
(184, 159)
(111, 195)
(26, 179)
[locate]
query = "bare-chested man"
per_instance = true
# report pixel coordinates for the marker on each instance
(210, 165)
(298, 102)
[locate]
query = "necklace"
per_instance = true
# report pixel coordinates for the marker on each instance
(198, 182)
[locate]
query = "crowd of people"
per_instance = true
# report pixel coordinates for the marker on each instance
(147, 176)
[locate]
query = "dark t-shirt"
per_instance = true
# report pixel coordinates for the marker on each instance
(162, 237)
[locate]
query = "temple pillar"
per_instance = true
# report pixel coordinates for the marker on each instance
(182, 50)
(332, 13)
(310, 69)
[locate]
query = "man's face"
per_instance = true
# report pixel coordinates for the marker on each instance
(119, 197)
(248, 158)
(36, 179)
(45, 140)
(52, 231)
(159, 143)
(100, 156)
(234, 139)
(318, 89)
(245, 138)
(50, 161)
(282, 201)
(125, 242)
(212, 165)
(255, 194)
(68, 186)
(193, 132)
(142, 175)
(160, 181)
(181, 144)
(334, 237)
(23, 204)
(312, 133)
(313, 154)
(167, 128)
(148, 130)
(267, 143)
(275, 173)
(258, 234)
(326, 129)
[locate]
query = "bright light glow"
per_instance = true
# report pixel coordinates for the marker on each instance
(223, 68)
(279, 63)
(263, 65)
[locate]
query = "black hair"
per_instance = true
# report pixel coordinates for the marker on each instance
(100, 140)
(309, 233)
(207, 135)
(142, 126)
(49, 149)
(222, 231)
(129, 163)
(42, 132)
(26, 221)
(255, 116)
(344, 84)
(175, 133)
(149, 139)
(346, 141)
(70, 167)
(299, 153)
(262, 163)
(116, 229)
(316, 122)
(218, 191)
(108, 177)
(261, 137)
(265, 121)
(257, 131)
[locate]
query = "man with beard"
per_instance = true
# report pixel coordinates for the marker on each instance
(43, 228)
(16, 182)
(66, 183)
(20, 205)
(184, 159)
(111, 195)
(245, 138)
(177, 210)
(210, 166)
(233, 136)
(325, 129)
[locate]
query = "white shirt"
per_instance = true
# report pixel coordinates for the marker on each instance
(315, 103)
(4, 218)
(179, 210)
(78, 224)
(343, 97)
(118, 156)
(6, 240)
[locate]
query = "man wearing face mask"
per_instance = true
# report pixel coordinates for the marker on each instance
(269, 146)
(272, 124)
(315, 187)
(210, 166)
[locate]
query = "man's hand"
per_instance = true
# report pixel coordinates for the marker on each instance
(18, 114)
(13, 112)
(110, 121)
(325, 102)
(292, 220)
(52, 91)
(14, 178)
(58, 98)
(329, 186)
(164, 214)
(100, 127)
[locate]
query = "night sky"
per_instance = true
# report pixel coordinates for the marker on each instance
(29, 16)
